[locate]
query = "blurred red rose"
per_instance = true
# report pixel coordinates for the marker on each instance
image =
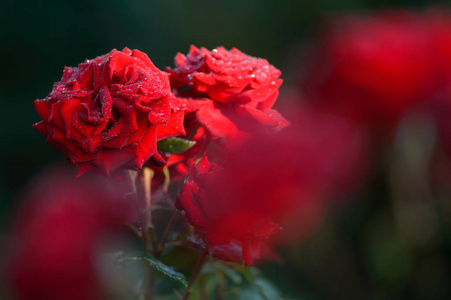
(332, 156)
(60, 229)
(271, 180)
(374, 67)
(237, 91)
(222, 220)
(109, 112)
(439, 21)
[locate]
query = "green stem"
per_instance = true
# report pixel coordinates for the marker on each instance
(197, 268)
(148, 174)
(131, 176)
(145, 219)
(151, 273)
(167, 232)
(149, 229)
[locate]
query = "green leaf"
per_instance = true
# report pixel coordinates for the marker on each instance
(246, 272)
(230, 272)
(166, 270)
(267, 288)
(175, 145)
(260, 288)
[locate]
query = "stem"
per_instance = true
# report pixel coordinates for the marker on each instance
(178, 294)
(153, 239)
(147, 230)
(131, 176)
(191, 231)
(202, 150)
(167, 179)
(169, 228)
(151, 273)
(148, 174)
(197, 268)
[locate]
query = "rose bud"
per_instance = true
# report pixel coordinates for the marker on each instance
(109, 112)
(59, 233)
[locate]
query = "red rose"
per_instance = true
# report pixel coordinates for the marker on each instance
(326, 157)
(227, 76)
(439, 22)
(279, 178)
(109, 112)
(223, 221)
(238, 91)
(59, 233)
(374, 67)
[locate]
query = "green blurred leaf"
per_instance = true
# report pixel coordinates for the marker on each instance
(246, 272)
(225, 268)
(260, 288)
(175, 145)
(231, 273)
(166, 270)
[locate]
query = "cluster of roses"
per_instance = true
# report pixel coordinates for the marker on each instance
(119, 112)
(109, 113)
(247, 172)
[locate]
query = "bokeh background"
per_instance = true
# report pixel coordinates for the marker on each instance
(358, 252)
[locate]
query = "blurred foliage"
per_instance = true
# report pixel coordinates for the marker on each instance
(359, 253)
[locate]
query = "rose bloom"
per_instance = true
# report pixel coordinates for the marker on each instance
(59, 232)
(274, 180)
(222, 221)
(237, 90)
(374, 67)
(109, 112)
